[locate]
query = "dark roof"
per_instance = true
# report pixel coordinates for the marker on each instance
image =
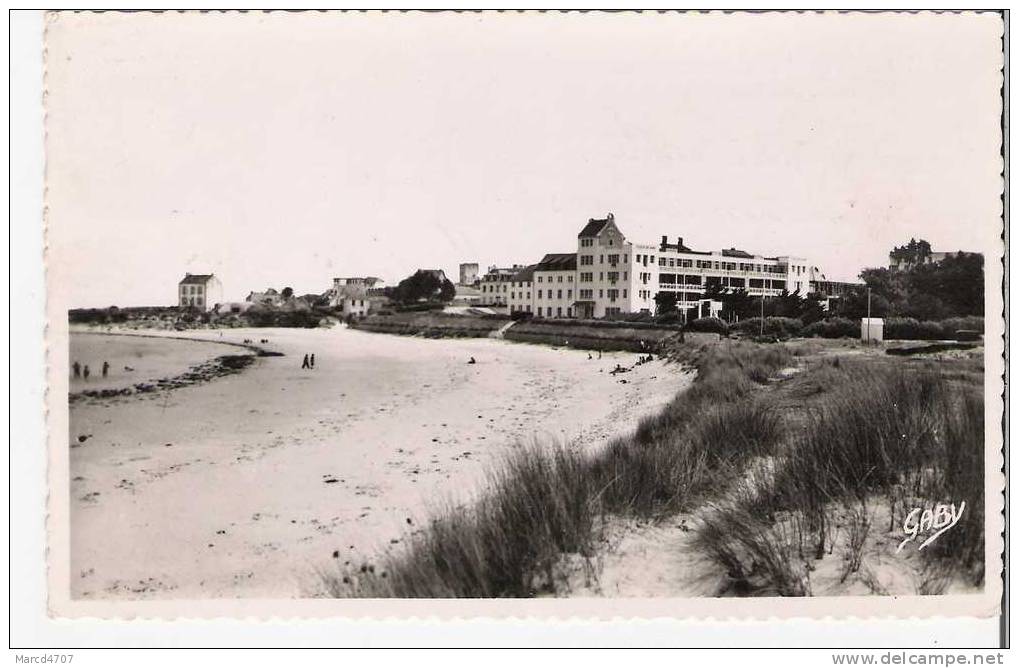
(735, 252)
(557, 262)
(595, 226)
(525, 275)
(195, 279)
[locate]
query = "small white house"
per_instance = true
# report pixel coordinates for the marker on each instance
(200, 291)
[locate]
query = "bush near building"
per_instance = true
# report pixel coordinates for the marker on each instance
(783, 328)
(711, 325)
(928, 330)
(832, 328)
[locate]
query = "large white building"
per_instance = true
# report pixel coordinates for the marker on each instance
(610, 275)
(617, 276)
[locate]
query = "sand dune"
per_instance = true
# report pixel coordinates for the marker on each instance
(246, 485)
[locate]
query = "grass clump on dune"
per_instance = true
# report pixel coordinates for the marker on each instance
(884, 434)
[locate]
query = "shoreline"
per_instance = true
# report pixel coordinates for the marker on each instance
(199, 372)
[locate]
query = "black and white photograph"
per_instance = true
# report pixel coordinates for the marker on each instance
(524, 313)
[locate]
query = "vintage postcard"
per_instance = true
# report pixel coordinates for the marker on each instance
(589, 315)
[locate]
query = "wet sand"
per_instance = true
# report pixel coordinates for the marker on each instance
(249, 484)
(135, 359)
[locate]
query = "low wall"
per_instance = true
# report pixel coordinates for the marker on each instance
(591, 335)
(432, 324)
(585, 334)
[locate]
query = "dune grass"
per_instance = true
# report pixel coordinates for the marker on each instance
(543, 503)
(780, 479)
(897, 435)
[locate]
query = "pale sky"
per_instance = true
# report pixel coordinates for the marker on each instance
(285, 149)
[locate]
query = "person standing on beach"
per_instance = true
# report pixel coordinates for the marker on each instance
(86, 372)
(304, 364)
(313, 360)
(76, 367)
(106, 368)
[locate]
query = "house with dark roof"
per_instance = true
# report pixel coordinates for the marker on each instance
(495, 284)
(555, 284)
(200, 291)
(521, 290)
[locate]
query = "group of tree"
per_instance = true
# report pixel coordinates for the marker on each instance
(953, 287)
(738, 304)
(422, 286)
(911, 254)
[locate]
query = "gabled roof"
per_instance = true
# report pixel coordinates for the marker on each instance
(525, 275)
(195, 279)
(557, 262)
(595, 226)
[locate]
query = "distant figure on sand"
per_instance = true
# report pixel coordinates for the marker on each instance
(589, 356)
(313, 360)
(76, 367)
(86, 372)
(106, 368)
(472, 361)
(304, 364)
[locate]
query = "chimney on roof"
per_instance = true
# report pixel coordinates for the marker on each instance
(679, 242)
(611, 217)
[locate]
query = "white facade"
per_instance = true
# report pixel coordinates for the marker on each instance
(521, 291)
(352, 296)
(200, 291)
(495, 284)
(554, 287)
(605, 272)
(616, 276)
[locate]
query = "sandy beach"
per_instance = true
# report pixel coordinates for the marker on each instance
(250, 484)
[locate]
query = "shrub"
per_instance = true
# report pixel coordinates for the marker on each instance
(671, 318)
(913, 329)
(970, 323)
(773, 326)
(712, 325)
(832, 328)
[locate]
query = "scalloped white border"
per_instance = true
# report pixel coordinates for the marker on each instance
(985, 604)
